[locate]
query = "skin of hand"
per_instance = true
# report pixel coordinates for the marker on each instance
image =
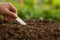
(8, 10)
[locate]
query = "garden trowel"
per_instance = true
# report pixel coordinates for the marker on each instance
(20, 21)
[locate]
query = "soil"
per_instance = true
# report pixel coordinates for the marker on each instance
(34, 30)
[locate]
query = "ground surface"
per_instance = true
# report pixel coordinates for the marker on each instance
(35, 30)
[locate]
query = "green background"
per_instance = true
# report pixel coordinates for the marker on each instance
(43, 9)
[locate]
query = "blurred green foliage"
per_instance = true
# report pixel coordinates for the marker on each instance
(45, 9)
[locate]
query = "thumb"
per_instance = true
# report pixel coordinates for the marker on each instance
(10, 13)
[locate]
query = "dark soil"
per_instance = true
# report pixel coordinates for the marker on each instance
(35, 30)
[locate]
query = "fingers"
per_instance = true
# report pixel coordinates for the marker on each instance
(11, 14)
(6, 18)
(12, 8)
(8, 10)
(10, 18)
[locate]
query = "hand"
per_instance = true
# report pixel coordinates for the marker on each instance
(8, 10)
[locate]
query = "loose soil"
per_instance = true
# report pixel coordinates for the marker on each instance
(34, 30)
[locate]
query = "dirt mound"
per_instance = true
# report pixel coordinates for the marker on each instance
(35, 30)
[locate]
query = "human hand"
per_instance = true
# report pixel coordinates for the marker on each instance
(8, 10)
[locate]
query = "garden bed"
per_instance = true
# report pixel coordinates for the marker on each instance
(34, 30)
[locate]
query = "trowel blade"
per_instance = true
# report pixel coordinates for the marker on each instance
(20, 21)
